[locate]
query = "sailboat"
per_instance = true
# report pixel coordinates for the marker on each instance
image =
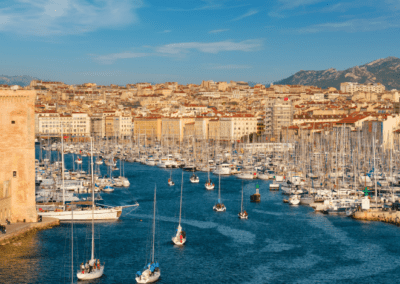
(170, 182)
(151, 272)
(96, 269)
(219, 207)
(180, 237)
(100, 213)
(209, 184)
(194, 178)
(242, 214)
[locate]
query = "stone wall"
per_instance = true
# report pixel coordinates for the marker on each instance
(17, 152)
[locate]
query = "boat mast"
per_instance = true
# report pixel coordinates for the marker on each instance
(391, 167)
(72, 246)
(219, 186)
(241, 205)
(92, 186)
(373, 145)
(180, 208)
(154, 223)
(62, 166)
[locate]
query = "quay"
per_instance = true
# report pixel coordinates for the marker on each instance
(392, 217)
(18, 230)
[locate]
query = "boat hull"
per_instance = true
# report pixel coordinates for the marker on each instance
(92, 275)
(178, 242)
(85, 215)
(149, 279)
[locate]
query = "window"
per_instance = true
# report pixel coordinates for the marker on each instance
(14, 173)
(12, 121)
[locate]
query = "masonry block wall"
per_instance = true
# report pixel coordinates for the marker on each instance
(17, 155)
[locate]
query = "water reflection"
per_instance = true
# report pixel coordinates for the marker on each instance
(19, 261)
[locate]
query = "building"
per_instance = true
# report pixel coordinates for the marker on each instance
(98, 127)
(351, 87)
(173, 128)
(214, 129)
(17, 155)
(77, 124)
(278, 114)
(150, 127)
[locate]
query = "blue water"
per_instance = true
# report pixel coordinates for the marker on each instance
(277, 244)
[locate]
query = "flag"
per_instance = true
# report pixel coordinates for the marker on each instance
(286, 99)
(65, 137)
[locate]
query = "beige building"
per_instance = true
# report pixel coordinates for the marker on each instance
(98, 125)
(173, 128)
(201, 127)
(17, 155)
(147, 126)
(76, 124)
(351, 87)
(278, 114)
(214, 129)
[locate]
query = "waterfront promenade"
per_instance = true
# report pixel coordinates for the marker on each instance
(18, 230)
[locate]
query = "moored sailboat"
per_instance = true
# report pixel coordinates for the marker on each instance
(180, 237)
(242, 214)
(151, 272)
(219, 207)
(95, 268)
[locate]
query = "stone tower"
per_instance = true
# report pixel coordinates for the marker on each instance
(17, 155)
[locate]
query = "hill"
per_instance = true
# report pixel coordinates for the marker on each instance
(385, 71)
(16, 80)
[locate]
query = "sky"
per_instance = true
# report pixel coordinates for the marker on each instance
(128, 41)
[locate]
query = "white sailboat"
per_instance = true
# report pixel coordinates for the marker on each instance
(209, 184)
(98, 213)
(95, 268)
(194, 178)
(170, 181)
(242, 214)
(180, 237)
(219, 207)
(151, 272)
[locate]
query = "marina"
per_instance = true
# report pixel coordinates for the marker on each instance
(278, 243)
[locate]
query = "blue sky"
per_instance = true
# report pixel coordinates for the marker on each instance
(129, 41)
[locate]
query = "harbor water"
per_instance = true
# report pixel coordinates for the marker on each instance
(277, 244)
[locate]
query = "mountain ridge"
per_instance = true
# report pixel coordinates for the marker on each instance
(22, 81)
(384, 70)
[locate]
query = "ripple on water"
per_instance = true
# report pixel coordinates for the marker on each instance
(277, 246)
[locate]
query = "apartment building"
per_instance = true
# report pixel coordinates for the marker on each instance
(147, 126)
(201, 127)
(173, 128)
(351, 87)
(278, 114)
(214, 129)
(76, 124)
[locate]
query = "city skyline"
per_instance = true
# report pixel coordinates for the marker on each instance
(128, 42)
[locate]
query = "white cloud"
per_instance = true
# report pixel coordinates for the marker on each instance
(111, 58)
(355, 25)
(209, 5)
(283, 5)
(291, 4)
(218, 31)
(248, 14)
(176, 49)
(210, 47)
(60, 17)
(230, 67)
